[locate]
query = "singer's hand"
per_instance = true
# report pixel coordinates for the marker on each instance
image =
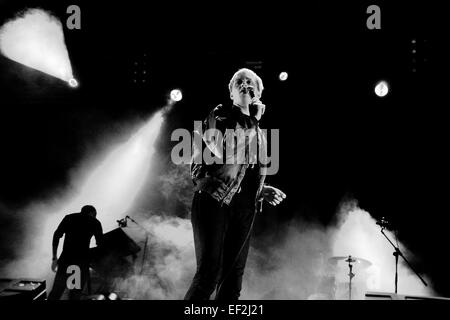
(260, 108)
(273, 195)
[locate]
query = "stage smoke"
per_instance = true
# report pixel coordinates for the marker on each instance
(290, 264)
(110, 183)
(176, 190)
(294, 263)
(36, 39)
(115, 182)
(360, 237)
(169, 263)
(286, 265)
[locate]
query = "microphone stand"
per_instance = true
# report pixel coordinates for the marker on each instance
(397, 253)
(123, 223)
(350, 275)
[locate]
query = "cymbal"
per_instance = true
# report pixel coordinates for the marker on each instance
(358, 262)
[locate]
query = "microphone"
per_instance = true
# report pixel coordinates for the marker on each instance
(383, 223)
(251, 92)
(122, 222)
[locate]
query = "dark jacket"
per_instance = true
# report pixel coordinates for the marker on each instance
(78, 229)
(229, 125)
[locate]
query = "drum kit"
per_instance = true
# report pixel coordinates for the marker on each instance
(339, 284)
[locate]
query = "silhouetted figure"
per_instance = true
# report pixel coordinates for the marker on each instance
(78, 229)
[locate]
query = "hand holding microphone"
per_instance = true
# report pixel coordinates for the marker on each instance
(258, 106)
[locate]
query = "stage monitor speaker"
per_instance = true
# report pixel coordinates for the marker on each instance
(393, 296)
(23, 289)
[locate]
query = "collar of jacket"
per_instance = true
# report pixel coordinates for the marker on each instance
(243, 119)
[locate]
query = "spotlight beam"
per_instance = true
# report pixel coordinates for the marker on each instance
(110, 183)
(36, 39)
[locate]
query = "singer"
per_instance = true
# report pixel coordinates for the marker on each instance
(228, 195)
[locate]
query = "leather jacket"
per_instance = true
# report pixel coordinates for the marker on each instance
(222, 180)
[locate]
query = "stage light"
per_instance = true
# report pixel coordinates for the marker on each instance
(36, 39)
(283, 76)
(176, 95)
(381, 89)
(73, 83)
(113, 296)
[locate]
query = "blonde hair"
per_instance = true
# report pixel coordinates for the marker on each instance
(259, 83)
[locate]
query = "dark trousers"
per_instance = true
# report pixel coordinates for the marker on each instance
(221, 245)
(60, 282)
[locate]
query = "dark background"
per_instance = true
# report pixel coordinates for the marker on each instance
(338, 139)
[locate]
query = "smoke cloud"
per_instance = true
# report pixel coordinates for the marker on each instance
(110, 182)
(359, 236)
(169, 262)
(300, 265)
(288, 268)
(296, 266)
